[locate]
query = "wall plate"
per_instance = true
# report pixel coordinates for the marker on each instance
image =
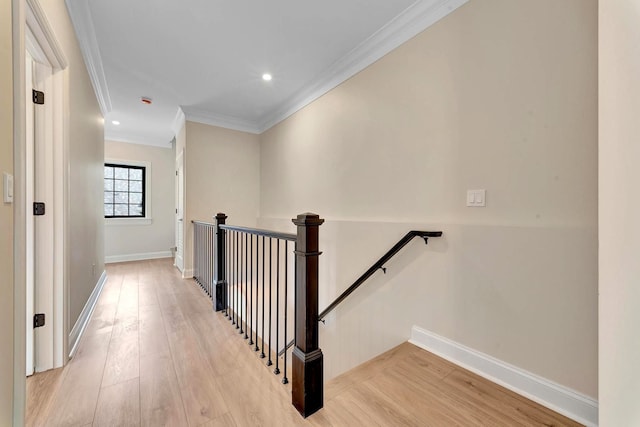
(7, 186)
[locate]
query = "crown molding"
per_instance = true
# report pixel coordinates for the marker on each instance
(86, 36)
(132, 138)
(178, 122)
(413, 20)
(220, 120)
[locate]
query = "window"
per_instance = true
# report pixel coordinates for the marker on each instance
(124, 191)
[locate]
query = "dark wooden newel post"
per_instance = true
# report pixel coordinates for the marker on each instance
(219, 273)
(307, 387)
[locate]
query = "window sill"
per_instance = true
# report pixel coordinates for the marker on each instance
(128, 221)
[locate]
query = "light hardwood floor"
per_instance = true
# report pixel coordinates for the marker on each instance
(154, 353)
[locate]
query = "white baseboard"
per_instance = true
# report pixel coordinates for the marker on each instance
(85, 315)
(136, 257)
(187, 273)
(563, 400)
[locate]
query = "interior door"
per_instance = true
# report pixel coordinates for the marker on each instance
(43, 223)
(180, 211)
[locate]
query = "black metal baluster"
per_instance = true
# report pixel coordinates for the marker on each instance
(212, 237)
(277, 370)
(262, 355)
(250, 285)
(209, 261)
(257, 298)
(237, 278)
(233, 277)
(285, 380)
(227, 273)
(242, 261)
(269, 362)
(197, 252)
(202, 256)
(246, 284)
(207, 257)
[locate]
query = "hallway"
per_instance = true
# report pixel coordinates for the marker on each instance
(154, 354)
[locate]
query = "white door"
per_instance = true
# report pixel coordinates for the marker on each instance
(43, 230)
(40, 254)
(180, 211)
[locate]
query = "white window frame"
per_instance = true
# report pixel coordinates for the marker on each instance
(147, 219)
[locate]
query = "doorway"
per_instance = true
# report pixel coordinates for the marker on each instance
(45, 195)
(179, 261)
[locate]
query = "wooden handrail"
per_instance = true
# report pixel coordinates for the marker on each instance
(379, 265)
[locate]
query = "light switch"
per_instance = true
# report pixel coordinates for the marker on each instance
(476, 198)
(7, 186)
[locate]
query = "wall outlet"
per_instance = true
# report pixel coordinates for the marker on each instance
(476, 198)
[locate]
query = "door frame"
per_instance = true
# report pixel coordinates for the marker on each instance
(179, 217)
(45, 49)
(31, 31)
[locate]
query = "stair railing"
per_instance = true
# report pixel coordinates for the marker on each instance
(251, 268)
(378, 265)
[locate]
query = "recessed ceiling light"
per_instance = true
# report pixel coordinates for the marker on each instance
(146, 100)
(115, 122)
(266, 77)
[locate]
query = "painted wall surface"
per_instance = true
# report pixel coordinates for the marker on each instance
(85, 160)
(619, 210)
(6, 217)
(501, 96)
(131, 239)
(222, 174)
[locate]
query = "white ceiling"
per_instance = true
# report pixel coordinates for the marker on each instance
(205, 58)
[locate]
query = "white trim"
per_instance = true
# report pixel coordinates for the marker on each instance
(111, 222)
(187, 273)
(220, 120)
(136, 257)
(19, 213)
(563, 400)
(85, 315)
(80, 14)
(178, 122)
(135, 138)
(39, 26)
(415, 19)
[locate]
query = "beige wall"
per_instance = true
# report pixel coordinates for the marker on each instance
(499, 95)
(222, 174)
(159, 236)
(85, 158)
(6, 217)
(619, 152)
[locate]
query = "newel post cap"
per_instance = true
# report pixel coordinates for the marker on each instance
(308, 219)
(220, 216)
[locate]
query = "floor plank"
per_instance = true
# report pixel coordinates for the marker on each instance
(119, 405)
(160, 397)
(154, 353)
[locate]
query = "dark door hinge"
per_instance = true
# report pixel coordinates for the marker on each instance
(38, 208)
(38, 97)
(38, 320)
